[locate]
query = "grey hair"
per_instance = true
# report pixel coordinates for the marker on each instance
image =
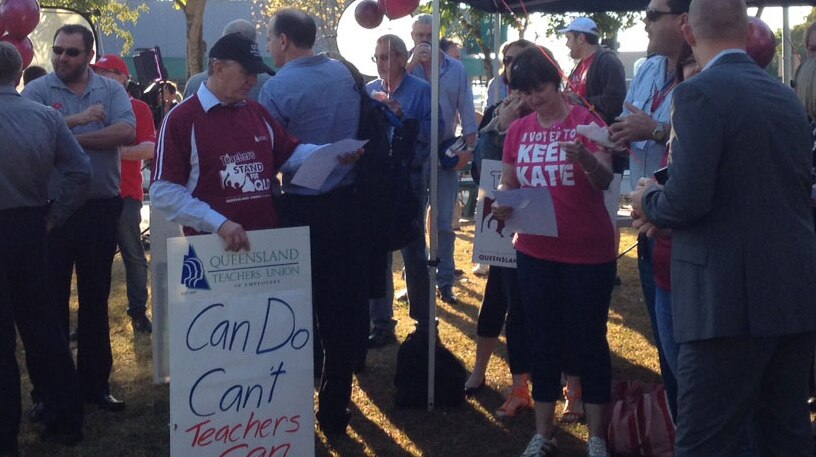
(423, 19)
(395, 43)
(11, 64)
(242, 27)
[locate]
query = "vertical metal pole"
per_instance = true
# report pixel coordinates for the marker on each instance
(787, 54)
(497, 43)
(434, 248)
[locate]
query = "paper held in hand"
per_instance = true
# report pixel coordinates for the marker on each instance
(533, 211)
(319, 165)
(597, 134)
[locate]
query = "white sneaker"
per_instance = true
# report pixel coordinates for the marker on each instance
(540, 447)
(481, 269)
(596, 447)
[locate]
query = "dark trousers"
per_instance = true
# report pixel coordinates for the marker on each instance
(87, 242)
(566, 307)
(502, 302)
(645, 252)
(726, 383)
(338, 293)
(25, 300)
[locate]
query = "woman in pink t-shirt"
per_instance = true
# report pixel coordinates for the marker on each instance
(566, 281)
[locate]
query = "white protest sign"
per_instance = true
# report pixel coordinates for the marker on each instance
(493, 242)
(241, 346)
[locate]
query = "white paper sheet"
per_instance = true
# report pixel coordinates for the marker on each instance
(597, 134)
(533, 211)
(315, 169)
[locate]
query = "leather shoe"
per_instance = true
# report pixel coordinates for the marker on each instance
(107, 402)
(141, 324)
(381, 337)
(447, 295)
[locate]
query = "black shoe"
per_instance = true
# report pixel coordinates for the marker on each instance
(457, 272)
(380, 337)
(447, 295)
(67, 436)
(472, 391)
(107, 402)
(141, 324)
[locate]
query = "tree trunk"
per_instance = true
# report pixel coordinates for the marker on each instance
(194, 15)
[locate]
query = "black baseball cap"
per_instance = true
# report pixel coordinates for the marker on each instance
(242, 50)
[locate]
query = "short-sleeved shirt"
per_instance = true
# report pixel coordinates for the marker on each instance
(132, 169)
(585, 233)
(50, 90)
(226, 156)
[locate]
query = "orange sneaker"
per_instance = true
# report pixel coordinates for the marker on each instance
(518, 398)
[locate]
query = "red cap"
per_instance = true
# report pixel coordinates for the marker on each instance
(113, 63)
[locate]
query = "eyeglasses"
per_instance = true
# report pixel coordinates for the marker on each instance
(655, 15)
(507, 60)
(376, 59)
(72, 52)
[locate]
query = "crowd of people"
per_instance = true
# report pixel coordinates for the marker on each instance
(726, 251)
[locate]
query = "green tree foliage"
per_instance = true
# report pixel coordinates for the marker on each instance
(110, 16)
(609, 24)
(325, 12)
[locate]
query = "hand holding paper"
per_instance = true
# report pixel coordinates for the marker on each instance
(317, 167)
(532, 210)
(597, 134)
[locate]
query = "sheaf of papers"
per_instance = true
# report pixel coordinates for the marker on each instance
(533, 211)
(597, 134)
(317, 167)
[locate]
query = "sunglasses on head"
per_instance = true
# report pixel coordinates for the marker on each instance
(72, 52)
(507, 60)
(655, 15)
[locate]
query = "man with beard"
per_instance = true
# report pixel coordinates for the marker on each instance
(98, 111)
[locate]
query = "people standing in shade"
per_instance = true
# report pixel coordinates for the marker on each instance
(410, 98)
(98, 111)
(36, 145)
(455, 97)
(247, 30)
(742, 286)
(644, 128)
(129, 232)
(314, 98)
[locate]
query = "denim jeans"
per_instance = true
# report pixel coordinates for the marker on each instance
(129, 239)
(415, 259)
(663, 316)
(448, 185)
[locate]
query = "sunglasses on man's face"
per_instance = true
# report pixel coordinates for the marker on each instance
(72, 52)
(655, 15)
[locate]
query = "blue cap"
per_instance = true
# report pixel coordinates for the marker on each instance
(582, 25)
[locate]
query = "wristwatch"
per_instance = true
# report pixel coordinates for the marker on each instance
(659, 134)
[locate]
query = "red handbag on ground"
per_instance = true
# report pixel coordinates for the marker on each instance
(640, 423)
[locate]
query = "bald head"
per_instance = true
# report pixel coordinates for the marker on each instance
(242, 27)
(11, 64)
(719, 21)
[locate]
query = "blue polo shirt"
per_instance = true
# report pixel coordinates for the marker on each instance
(106, 165)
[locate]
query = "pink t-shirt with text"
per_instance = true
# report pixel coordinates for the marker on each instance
(585, 233)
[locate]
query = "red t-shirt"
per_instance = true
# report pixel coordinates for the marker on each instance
(227, 157)
(585, 233)
(578, 77)
(132, 169)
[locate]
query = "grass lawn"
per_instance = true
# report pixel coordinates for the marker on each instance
(377, 427)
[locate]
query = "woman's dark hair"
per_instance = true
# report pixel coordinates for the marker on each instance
(682, 60)
(533, 68)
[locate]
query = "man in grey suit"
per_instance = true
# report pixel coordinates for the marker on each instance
(744, 249)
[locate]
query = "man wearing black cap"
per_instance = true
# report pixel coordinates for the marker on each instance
(207, 143)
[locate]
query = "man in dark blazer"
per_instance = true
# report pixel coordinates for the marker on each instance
(744, 249)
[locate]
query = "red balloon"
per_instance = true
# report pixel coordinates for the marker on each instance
(20, 16)
(24, 46)
(761, 42)
(396, 9)
(368, 14)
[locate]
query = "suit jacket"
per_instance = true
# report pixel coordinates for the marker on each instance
(738, 199)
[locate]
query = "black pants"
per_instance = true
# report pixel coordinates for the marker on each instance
(25, 300)
(502, 299)
(87, 242)
(338, 292)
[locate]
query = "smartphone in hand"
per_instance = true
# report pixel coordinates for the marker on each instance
(661, 175)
